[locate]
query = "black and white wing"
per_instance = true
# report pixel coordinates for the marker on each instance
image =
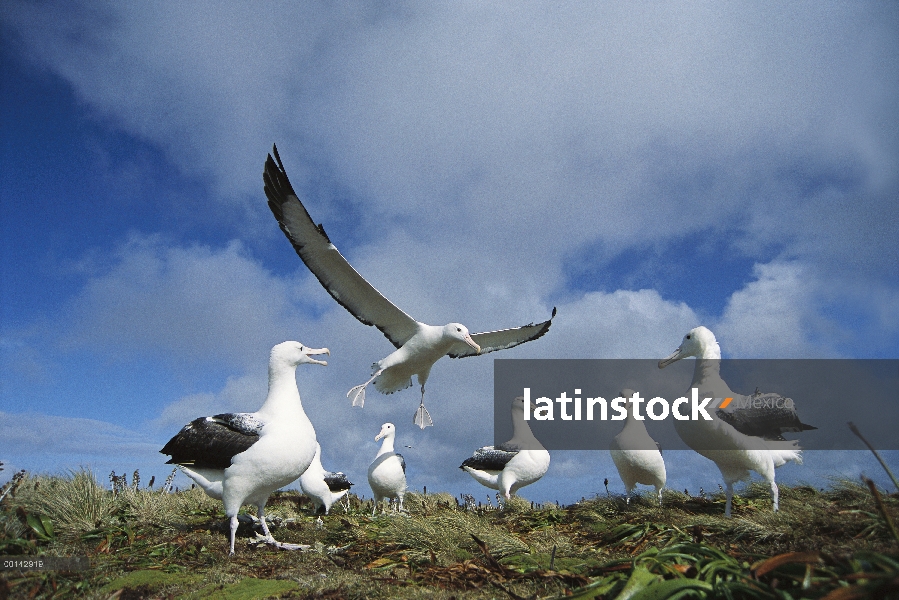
(502, 339)
(337, 482)
(402, 462)
(211, 442)
(490, 458)
(348, 287)
(328, 265)
(767, 416)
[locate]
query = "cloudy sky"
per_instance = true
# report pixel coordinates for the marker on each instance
(643, 168)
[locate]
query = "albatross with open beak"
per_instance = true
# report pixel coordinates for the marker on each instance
(242, 458)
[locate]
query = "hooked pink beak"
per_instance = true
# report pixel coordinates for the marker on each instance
(673, 357)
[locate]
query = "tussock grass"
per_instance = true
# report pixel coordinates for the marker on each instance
(75, 504)
(447, 534)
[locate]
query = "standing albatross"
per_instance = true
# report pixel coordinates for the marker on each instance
(324, 488)
(636, 455)
(244, 457)
(418, 346)
(387, 472)
(737, 442)
(510, 466)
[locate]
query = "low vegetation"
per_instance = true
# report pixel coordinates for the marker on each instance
(148, 543)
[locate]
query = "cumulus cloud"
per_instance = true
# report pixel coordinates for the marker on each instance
(194, 304)
(240, 394)
(769, 318)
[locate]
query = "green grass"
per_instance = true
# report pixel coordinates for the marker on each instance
(143, 543)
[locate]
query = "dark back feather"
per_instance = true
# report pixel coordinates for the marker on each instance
(337, 482)
(211, 442)
(769, 417)
(490, 458)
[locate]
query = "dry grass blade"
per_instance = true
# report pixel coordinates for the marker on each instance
(772, 563)
(883, 509)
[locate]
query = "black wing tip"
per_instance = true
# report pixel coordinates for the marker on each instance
(277, 161)
(274, 175)
(544, 327)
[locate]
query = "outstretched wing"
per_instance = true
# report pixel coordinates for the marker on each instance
(211, 442)
(337, 481)
(502, 339)
(328, 265)
(489, 458)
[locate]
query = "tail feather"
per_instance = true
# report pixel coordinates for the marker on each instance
(781, 457)
(209, 481)
(389, 382)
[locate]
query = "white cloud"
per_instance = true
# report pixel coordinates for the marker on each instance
(187, 304)
(793, 310)
(240, 394)
(622, 324)
(769, 318)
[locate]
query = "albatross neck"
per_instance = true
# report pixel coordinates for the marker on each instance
(283, 394)
(386, 445)
(708, 364)
(521, 431)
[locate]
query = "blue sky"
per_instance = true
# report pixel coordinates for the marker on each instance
(645, 169)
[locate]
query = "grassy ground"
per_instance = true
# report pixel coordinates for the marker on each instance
(147, 544)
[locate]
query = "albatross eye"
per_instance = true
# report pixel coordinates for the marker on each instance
(688, 336)
(459, 329)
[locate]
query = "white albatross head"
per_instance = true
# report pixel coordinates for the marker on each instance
(627, 394)
(291, 354)
(699, 342)
(458, 331)
(518, 404)
(387, 430)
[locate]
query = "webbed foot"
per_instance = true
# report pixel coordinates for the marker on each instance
(422, 417)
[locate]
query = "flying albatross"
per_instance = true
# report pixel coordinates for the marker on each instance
(738, 441)
(324, 488)
(243, 457)
(418, 346)
(510, 466)
(636, 455)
